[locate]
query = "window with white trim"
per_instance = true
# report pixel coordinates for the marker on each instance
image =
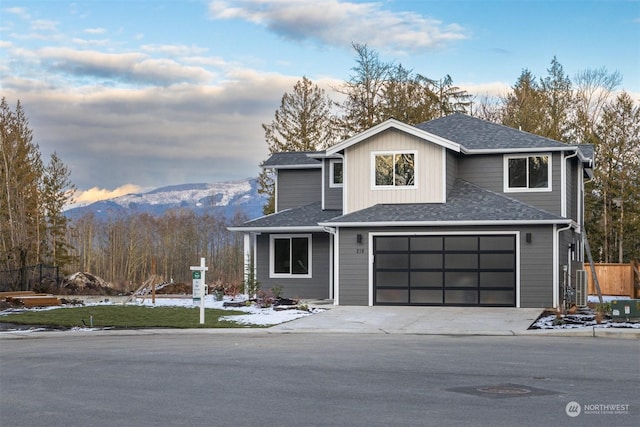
(527, 173)
(290, 255)
(336, 175)
(393, 169)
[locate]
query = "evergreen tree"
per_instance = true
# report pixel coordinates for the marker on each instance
(21, 225)
(523, 107)
(613, 209)
(302, 123)
(558, 102)
(364, 105)
(57, 191)
(451, 99)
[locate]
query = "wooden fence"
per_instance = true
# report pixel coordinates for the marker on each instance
(615, 279)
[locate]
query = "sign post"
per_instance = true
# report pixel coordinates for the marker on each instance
(199, 286)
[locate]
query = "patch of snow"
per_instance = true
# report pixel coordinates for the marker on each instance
(254, 315)
(227, 190)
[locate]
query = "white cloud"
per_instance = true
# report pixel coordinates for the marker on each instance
(154, 136)
(95, 194)
(490, 89)
(95, 30)
(85, 42)
(18, 11)
(174, 50)
(341, 23)
(131, 67)
(44, 25)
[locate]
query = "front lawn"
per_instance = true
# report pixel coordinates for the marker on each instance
(118, 316)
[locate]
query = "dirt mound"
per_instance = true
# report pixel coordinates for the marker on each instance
(174, 289)
(83, 283)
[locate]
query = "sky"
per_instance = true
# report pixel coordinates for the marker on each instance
(134, 95)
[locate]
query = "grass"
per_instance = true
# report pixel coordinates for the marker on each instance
(120, 316)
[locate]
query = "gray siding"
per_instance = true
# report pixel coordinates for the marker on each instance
(486, 171)
(315, 287)
(298, 187)
(536, 267)
(354, 267)
(536, 262)
(332, 195)
(573, 169)
(452, 169)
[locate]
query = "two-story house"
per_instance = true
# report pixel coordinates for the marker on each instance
(454, 211)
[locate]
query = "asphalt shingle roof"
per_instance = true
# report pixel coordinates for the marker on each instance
(476, 134)
(466, 202)
(304, 216)
(293, 158)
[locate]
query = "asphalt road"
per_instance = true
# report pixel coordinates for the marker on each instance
(318, 380)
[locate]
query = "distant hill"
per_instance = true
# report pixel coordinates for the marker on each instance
(224, 198)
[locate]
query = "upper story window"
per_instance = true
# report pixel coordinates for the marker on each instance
(394, 169)
(527, 173)
(336, 176)
(290, 255)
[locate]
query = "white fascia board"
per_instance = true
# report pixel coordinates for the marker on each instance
(446, 223)
(395, 124)
(323, 156)
(517, 150)
(277, 229)
(318, 166)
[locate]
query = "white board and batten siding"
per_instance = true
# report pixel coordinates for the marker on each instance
(429, 172)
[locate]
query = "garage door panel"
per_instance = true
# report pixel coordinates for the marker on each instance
(460, 243)
(392, 296)
(392, 244)
(497, 261)
(505, 297)
(445, 270)
(393, 278)
(466, 261)
(497, 243)
(461, 297)
(426, 278)
(426, 261)
(426, 296)
(427, 243)
(458, 279)
(494, 279)
(396, 261)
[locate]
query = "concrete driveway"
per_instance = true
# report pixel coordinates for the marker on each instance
(435, 321)
(416, 320)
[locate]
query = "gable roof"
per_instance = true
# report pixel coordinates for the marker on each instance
(393, 124)
(292, 160)
(467, 204)
(477, 135)
(303, 218)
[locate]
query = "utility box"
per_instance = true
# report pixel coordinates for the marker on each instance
(625, 310)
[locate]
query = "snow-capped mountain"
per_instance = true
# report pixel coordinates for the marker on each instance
(223, 198)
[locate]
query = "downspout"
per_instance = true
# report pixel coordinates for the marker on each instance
(333, 269)
(556, 263)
